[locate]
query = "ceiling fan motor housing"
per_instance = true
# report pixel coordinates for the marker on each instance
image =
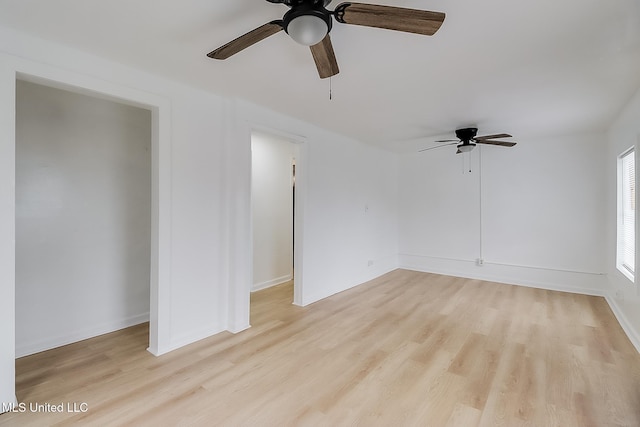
(466, 134)
(292, 3)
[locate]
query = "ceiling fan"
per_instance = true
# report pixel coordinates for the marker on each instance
(467, 140)
(308, 22)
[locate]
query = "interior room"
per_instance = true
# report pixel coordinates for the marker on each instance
(83, 217)
(460, 243)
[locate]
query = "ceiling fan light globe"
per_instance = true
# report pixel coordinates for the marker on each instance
(307, 30)
(465, 148)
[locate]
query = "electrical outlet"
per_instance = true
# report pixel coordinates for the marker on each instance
(370, 263)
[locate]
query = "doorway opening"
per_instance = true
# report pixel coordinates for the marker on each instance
(83, 216)
(274, 198)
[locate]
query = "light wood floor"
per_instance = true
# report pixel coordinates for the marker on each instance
(408, 348)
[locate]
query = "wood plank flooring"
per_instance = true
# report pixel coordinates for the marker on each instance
(407, 349)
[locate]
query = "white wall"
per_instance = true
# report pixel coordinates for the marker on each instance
(83, 216)
(542, 213)
(350, 215)
(272, 209)
(623, 296)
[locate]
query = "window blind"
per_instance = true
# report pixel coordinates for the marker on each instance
(628, 226)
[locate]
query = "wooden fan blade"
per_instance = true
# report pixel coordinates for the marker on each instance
(437, 146)
(325, 58)
(389, 17)
(448, 140)
(498, 135)
(246, 40)
(502, 143)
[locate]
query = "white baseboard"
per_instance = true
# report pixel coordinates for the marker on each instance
(187, 339)
(237, 330)
(587, 283)
(269, 283)
(627, 327)
(327, 292)
(25, 349)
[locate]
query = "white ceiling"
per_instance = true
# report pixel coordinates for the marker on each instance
(529, 68)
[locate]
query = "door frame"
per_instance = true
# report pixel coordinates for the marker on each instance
(298, 219)
(159, 330)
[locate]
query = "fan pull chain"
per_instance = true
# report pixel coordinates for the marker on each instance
(466, 160)
(330, 87)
